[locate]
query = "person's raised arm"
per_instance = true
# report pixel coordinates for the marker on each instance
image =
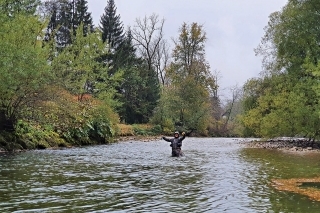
(166, 139)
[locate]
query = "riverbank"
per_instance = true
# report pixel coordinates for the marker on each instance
(142, 138)
(285, 144)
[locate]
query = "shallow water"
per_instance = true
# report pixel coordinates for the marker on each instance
(215, 175)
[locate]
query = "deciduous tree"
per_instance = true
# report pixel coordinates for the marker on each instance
(77, 70)
(191, 82)
(287, 97)
(24, 70)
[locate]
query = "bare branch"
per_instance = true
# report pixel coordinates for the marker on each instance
(148, 34)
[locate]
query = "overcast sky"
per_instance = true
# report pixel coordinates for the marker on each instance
(234, 28)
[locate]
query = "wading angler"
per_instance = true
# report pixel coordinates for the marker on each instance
(176, 144)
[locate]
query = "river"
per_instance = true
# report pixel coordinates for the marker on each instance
(215, 175)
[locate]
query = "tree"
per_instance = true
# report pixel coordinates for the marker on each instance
(286, 103)
(162, 61)
(24, 70)
(82, 16)
(13, 7)
(282, 110)
(65, 18)
(148, 35)
(130, 110)
(231, 109)
(111, 26)
(113, 35)
(126, 54)
(187, 97)
(78, 71)
(189, 47)
(218, 109)
(64, 32)
(291, 36)
(139, 93)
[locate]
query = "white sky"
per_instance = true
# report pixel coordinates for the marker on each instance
(234, 28)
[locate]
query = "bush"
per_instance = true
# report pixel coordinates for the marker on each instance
(34, 136)
(125, 130)
(147, 129)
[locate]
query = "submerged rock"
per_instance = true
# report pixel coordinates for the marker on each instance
(304, 186)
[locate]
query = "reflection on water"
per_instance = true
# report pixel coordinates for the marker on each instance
(216, 175)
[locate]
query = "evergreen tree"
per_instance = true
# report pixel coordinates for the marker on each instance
(139, 93)
(135, 91)
(126, 54)
(60, 24)
(81, 15)
(12, 7)
(148, 34)
(112, 35)
(111, 26)
(51, 8)
(66, 17)
(63, 36)
(132, 82)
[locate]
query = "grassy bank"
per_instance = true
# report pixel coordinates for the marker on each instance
(29, 137)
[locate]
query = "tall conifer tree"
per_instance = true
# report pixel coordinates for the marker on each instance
(81, 15)
(66, 17)
(111, 26)
(112, 34)
(12, 7)
(126, 55)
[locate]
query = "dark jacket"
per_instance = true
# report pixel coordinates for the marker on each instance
(176, 144)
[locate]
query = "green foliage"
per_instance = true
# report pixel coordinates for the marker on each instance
(285, 101)
(139, 94)
(132, 103)
(113, 36)
(23, 66)
(81, 16)
(291, 35)
(147, 129)
(147, 34)
(59, 29)
(104, 124)
(8, 142)
(34, 136)
(12, 8)
(186, 101)
(77, 70)
(80, 122)
(111, 26)
(65, 17)
(140, 131)
(284, 110)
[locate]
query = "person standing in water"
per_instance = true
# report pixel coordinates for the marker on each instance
(176, 144)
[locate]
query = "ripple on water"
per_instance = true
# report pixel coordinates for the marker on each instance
(214, 176)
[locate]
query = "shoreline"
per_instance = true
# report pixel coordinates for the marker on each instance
(141, 138)
(284, 144)
(119, 139)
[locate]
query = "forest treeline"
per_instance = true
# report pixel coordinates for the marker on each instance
(65, 81)
(284, 101)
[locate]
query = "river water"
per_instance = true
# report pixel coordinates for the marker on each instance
(215, 175)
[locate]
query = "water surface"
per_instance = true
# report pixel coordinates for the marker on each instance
(216, 175)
